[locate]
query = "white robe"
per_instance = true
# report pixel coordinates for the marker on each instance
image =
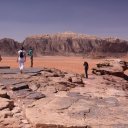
(21, 60)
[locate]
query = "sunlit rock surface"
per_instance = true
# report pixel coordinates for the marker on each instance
(50, 98)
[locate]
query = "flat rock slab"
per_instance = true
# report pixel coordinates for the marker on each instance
(9, 71)
(16, 70)
(35, 95)
(32, 70)
(7, 82)
(28, 94)
(22, 93)
(32, 74)
(74, 112)
(55, 101)
(60, 103)
(4, 67)
(56, 112)
(19, 86)
(75, 94)
(110, 102)
(119, 126)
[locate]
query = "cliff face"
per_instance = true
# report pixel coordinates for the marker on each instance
(72, 44)
(8, 47)
(66, 44)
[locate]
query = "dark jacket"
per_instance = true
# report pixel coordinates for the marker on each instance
(86, 65)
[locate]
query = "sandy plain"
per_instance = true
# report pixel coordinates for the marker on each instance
(68, 64)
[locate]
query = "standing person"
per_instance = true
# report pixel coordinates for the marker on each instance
(86, 68)
(30, 53)
(21, 59)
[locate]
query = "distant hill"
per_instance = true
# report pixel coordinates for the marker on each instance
(75, 44)
(67, 44)
(8, 47)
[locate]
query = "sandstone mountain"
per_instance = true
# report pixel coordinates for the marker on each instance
(67, 44)
(8, 47)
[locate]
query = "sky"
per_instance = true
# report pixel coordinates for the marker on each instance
(103, 18)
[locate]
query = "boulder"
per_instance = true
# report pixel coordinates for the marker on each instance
(35, 95)
(77, 80)
(6, 103)
(3, 94)
(19, 86)
(111, 67)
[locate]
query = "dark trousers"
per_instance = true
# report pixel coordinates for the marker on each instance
(86, 72)
(31, 61)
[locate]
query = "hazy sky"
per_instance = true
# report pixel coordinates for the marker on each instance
(22, 18)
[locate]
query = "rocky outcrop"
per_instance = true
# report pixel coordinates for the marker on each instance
(67, 44)
(75, 44)
(114, 67)
(50, 98)
(9, 47)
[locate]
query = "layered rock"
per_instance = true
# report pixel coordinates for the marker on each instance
(75, 44)
(45, 98)
(66, 44)
(9, 47)
(114, 67)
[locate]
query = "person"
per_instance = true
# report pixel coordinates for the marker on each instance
(30, 53)
(21, 59)
(86, 68)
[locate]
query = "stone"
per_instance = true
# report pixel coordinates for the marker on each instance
(61, 87)
(113, 67)
(16, 110)
(77, 80)
(6, 103)
(4, 67)
(24, 121)
(50, 89)
(8, 82)
(75, 94)
(22, 93)
(19, 86)
(111, 101)
(35, 95)
(34, 86)
(4, 94)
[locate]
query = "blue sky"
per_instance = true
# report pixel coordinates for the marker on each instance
(22, 18)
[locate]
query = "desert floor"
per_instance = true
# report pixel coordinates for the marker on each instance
(68, 64)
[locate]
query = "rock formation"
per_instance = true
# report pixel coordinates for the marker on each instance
(50, 98)
(75, 44)
(114, 67)
(9, 47)
(67, 44)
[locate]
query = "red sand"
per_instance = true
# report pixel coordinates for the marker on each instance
(68, 64)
